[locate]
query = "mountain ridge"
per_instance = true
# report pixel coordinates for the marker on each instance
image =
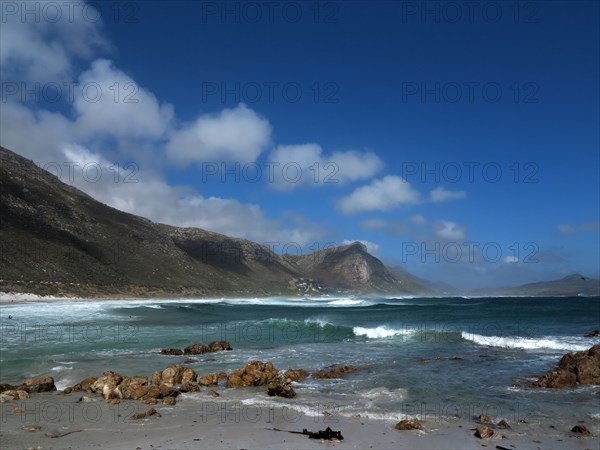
(55, 239)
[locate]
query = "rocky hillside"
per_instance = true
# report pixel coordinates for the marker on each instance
(352, 268)
(55, 239)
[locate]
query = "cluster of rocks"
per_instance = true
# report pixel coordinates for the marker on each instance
(335, 372)
(198, 349)
(574, 369)
(485, 428)
(20, 392)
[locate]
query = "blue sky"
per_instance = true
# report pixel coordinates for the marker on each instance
(459, 142)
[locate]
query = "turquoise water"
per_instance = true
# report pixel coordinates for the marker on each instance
(440, 359)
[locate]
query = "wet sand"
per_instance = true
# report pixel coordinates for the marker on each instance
(199, 421)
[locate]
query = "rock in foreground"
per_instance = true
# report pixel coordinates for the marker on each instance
(409, 424)
(574, 369)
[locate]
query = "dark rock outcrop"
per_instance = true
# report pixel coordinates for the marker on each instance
(581, 429)
(171, 351)
(335, 372)
(409, 424)
(281, 387)
(574, 369)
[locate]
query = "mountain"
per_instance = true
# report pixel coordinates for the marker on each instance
(57, 240)
(352, 268)
(569, 286)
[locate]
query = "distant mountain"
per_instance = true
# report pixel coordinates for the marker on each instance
(55, 239)
(569, 286)
(352, 267)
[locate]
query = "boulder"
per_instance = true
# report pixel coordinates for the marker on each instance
(38, 384)
(147, 413)
(281, 387)
(191, 386)
(581, 429)
(133, 387)
(335, 372)
(107, 384)
(219, 346)
(297, 375)
(574, 369)
(484, 418)
(503, 424)
(213, 393)
(171, 351)
(13, 394)
(169, 401)
(592, 334)
(171, 376)
(484, 432)
(256, 373)
(84, 385)
(195, 349)
(209, 380)
(409, 424)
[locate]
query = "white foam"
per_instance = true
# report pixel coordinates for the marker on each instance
(380, 332)
(547, 342)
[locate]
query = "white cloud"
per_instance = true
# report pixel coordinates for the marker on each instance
(306, 164)
(450, 231)
(372, 247)
(110, 102)
(46, 45)
(381, 195)
(510, 260)
(237, 134)
(441, 194)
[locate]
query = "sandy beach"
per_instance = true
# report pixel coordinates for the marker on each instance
(198, 421)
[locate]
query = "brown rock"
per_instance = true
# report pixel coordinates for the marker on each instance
(153, 392)
(114, 401)
(297, 375)
(107, 384)
(169, 401)
(592, 334)
(85, 385)
(219, 346)
(335, 372)
(172, 375)
(192, 386)
(38, 384)
(171, 351)
(188, 376)
(209, 380)
(18, 410)
(409, 424)
(155, 379)
(281, 387)
(484, 418)
(133, 386)
(13, 394)
(195, 349)
(573, 369)
(190, 361)
(581, 429)
(6, 387)
(483, 432)
(148, 413)
(150, 401)
(212, 393)
(256, 373)
(503, 424)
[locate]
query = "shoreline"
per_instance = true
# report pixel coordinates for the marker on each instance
(15, 298)
(199, 421)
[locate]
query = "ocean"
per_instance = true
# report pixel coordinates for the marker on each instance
(445, 360)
